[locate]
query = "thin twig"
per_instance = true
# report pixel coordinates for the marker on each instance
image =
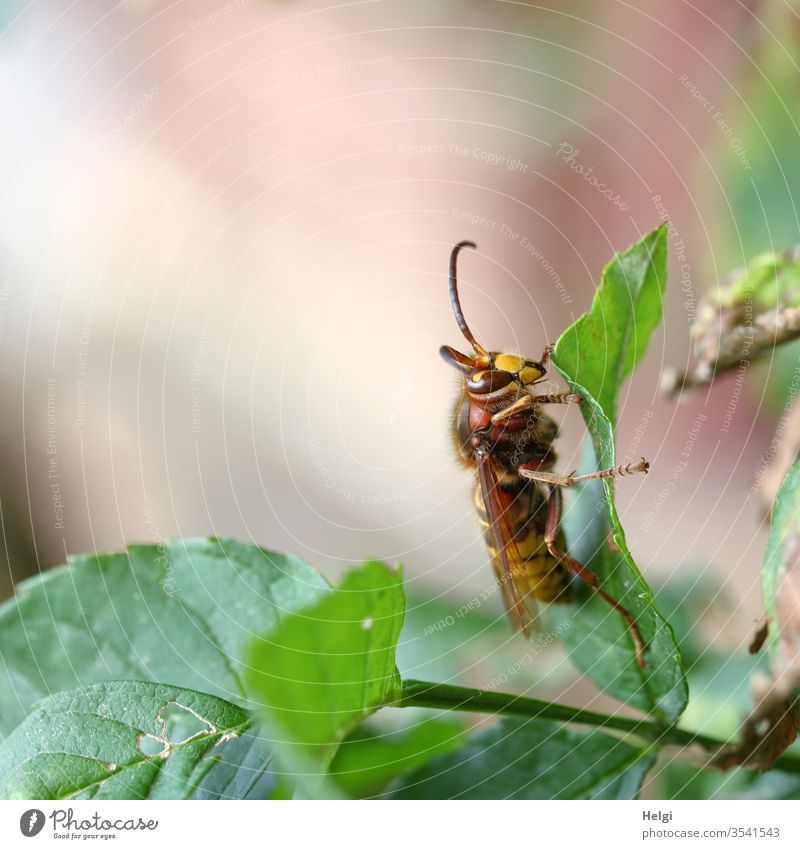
(448, 697)
(743, 343)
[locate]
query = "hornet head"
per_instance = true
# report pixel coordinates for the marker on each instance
(485, 371)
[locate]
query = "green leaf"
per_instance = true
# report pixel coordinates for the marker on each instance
(781, 577)
(370, 757)
(120, 740)
(181, 612)
(594, 356)
(602, 347)
(533, 759)
(323, 670)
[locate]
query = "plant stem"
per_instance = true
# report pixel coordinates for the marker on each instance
(447, 697)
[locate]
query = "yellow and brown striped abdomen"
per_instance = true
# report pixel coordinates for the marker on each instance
(533, 569)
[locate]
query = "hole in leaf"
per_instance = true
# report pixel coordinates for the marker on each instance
(762, 726)
(151, 746)
(181, 723)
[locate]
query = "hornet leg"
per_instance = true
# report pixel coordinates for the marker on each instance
(560, 398)
(527, 401)
(550, 536)
(571, 479)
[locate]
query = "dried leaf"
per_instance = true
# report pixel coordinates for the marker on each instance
(759, 638)
(766, 734)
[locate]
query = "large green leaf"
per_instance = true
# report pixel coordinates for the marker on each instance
(181, 612)
(123, 740)
(321, 671)
(533, 759)
(594, 356)
(782, 576)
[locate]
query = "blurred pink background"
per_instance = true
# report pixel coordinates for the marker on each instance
(224, 241)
